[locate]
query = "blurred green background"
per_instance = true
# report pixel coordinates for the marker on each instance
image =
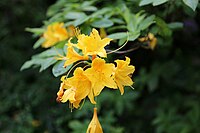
(167, 88)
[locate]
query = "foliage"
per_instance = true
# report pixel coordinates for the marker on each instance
(167, 89)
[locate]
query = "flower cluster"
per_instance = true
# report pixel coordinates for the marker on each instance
(90, 80)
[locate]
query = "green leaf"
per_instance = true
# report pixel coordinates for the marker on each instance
(81, 20)
(146, 22)
(191, 3)
(118, 35)
(117, 20)
(132, 24)
(30, 63)
(38, 31)
(89, 8)
(44, 59)
(145, 2)
(75, 15)
(58, 68)
(26, 65)
(122, 41)
(164, 30)
(158, 2)
(47, 63)
(49, 53)
(103, 23)
(38, 43)
(133, 36)
(175, 25)
(100, 12)
(55, 8)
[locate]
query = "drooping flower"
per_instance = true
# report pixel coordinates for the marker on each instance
(94, 126)
(75, 89)
(93, 44)
(122, 74)
(71, 56)
(100, 74)
(54, 33)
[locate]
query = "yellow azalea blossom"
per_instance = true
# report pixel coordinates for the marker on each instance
(54, 33)
(122, 74)
(150, 39)
(153, 41)
(72, 56)
(75, 88)
(93, 44)
(100, 75)
(94, 126)
(83, 85)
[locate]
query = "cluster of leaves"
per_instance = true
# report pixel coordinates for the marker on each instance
(85, 15)
(166, 96)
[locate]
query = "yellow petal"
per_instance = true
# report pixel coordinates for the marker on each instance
(100, 74)
(122, 74)
(91, 97)
(151, 36)
(94, 126)
(76, 103)
(54, 33)
(72, 55)
(93, 44)
(69, 94)
(153, 43)
(81, 83)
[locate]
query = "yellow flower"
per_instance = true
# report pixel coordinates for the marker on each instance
(150, 39)
(94, 126)
(93, 44)
(100, 75)
(72, 56)
(122, 74)
(55, 33)
(153, 41)
(75, 89)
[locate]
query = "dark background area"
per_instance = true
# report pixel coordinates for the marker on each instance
(167, 88)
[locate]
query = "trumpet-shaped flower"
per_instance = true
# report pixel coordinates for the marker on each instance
(93, 44)
(94, 126)
(100, 74)
(54, 33)
(122, 74)
(72, 56)
(75, 88)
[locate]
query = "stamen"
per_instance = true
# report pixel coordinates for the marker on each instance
(86, 66)
(131, 87)
(77, 32)
(60, 57)
(73, 67)
(126, 51)
(121, 46)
